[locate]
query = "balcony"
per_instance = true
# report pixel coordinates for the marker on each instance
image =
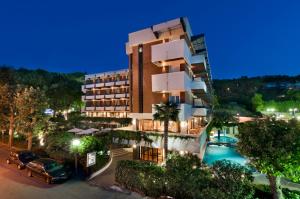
(109, 96)
(198, 84)
(119, 83)
(99, 96)
(199, 112)
(110, 108)
(89, 85)
(121, 95)
(100, 108)
(109, 83)
(120, 108)
(176, 81)
(90, 97)
(90, 108)
(173, 50)
(99, 85)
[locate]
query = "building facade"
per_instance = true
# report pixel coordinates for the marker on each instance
(106, 94)
(168, 63)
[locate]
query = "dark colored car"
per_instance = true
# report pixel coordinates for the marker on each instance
(48, 169)
(21, 158)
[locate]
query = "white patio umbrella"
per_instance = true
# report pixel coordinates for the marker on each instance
(75, 130)
(88, 131)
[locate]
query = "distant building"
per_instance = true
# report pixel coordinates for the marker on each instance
(106, 94)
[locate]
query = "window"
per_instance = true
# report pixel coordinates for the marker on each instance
(174, 99)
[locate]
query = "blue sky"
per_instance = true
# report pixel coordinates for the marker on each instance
(257, 37)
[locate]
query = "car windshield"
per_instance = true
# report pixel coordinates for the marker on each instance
(53, 166)
(27, 157)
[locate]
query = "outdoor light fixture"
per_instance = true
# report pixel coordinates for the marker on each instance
(134, 146)
(75, 142)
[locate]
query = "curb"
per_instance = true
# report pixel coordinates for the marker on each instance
(101, 170)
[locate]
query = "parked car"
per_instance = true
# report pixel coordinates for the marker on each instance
(21, 158)
(48, 169)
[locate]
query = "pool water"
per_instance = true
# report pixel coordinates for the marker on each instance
(224, 139)
(215, 152)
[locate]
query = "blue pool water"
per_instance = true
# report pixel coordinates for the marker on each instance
(224, 139)
(215, 152)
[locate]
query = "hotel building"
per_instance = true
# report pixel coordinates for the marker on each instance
(166, 63)
(106, 94)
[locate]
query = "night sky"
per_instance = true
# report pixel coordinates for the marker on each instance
(244, 37)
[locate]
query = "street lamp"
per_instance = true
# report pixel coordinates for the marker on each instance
(75, 145)
(293, 111)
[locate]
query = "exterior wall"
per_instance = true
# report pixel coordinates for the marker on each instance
(106, 94)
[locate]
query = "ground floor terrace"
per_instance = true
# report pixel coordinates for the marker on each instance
(108, 114)
(193, 126)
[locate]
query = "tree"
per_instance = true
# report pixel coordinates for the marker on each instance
(30, 103)
(3, 109)
(232, 179)
(220, 119)
(257, 102)
(273, 148)
(165, 113)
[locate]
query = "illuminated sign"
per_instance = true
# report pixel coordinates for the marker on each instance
(91, 159)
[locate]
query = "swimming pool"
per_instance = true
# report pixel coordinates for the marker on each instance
(224, 139)
(215, 152)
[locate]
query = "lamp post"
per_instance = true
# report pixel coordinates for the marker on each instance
(293, 111)
(75, 145)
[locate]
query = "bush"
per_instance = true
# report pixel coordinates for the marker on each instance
(142, 177)
(184, 177)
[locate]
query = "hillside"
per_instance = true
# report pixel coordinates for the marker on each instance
(237, 93)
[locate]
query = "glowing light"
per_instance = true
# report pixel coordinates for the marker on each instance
(76, 142)
(181, 152)
(134, 146)
(183, 124)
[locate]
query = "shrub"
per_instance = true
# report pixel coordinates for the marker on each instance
(142, 177)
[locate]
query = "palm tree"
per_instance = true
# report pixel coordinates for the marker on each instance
(222, 118)
(166, 112)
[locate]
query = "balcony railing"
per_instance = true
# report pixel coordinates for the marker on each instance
(176, 81)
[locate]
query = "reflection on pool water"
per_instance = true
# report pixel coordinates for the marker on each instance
(224, 139)
(215, 152)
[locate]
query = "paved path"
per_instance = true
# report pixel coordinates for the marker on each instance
(14, 184)
(262, 179)
(107, 178)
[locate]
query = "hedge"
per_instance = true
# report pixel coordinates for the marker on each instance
(143, 177)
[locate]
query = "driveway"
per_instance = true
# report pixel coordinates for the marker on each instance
(107, 178)
(15, 185)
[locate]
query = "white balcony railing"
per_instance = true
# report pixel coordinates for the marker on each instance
(176, 81)
(120, 82)
(98, 85)
(199, 112)
(176, 49)
(90, 97)
(90, 108)
(198, 84)
(120, 108)
(121, 95)
(89, 85)
(171, 50)
(110, 108)
(110, 96)
(99, 96)
(109, 83)
(100, 108)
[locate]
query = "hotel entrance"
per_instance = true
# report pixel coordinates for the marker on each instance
(150, 154)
